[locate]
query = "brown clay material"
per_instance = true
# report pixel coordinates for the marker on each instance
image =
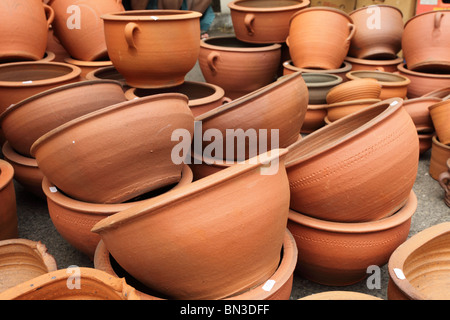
(339, 110)
(442, 93)
(340, 295)
(444, 181)
(314, 118)
(425, 140)
(440, 115)
(439, 154)
(88, 66)
(357, 89)
(288, 67)
(8, 208)
(108, 73)
(418, 110)
(378, 65)
(319, 85)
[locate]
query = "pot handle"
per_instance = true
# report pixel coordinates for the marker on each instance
(444, 181)
(248, 22)
(129, 34)
(49, 14)
(437, 19)
(226, 100)
(211, 60)
(352, 29)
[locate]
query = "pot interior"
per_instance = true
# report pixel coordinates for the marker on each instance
(109, 74)
(192, 90)
(267, 3)
(232, 42)
(380, 76)
(32, 72)
(314, 78)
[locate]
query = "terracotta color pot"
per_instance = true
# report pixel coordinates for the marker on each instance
(88, 66)
(314, 44)
(133, 162)
(389, 65)
(418, 110)
(379, 30)
(419, 269)
(338, 254)
(393, 85)
(357, 89)
(72, 284)
(8, 209)
(263, 21)
(340, 295)
(319, 85)
(314, 118)
(339, 110)
(195, 260)
(79, 27)
(54, 45)
(288, 67)
(238, 67)
(374, 151)
(49, 56)
(439, 154)
(144, 54)
(425, 140)
(49, 109)
(202, 96)
(74, 219)
(444, 181)
(442, 93)
(426, 40)
(440, 115)
(24, 29)
(108, 73)
(22, 260)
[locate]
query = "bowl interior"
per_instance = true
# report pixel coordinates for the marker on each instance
(233, 42)
(32, 72)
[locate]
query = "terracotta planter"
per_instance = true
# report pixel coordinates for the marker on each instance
(288, 67)
(313, 44)
(372, 151)
(88, 66)
(379, 30)
(49, 109)
(440, 115)
(144, 54)
(425, 140)
(426, 40)
(418, 110)
(340, 295)
(338, 254)
(238, 67)
(314, 118)
(74, 219)
(24, 29)
(22, 260)
(389, 65)
(202, 96)
(183, 264)
(8, 209)
(444, 181)
(357, 89)
(72, 284)
(419, 268)
(263, 21)
(79, 27)
(339, 110)
(108, 73)
(319, 85)
(439, 154)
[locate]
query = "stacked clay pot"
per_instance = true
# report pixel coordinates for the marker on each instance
(440, 116)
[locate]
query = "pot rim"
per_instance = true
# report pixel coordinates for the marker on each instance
(151, 15)
(402, 67)
(11, 155)
(253, 47)
(48, 56)
(436, 142)
(425, 13)
(92, 75)
(439, 104)
(82, 63)
(403, 82)
(376, 5)
(321, 8)
(6, 173)
(334, 82)
(236, 5)
(353, 103)
(372, 62)
(419, 99)
(345, 67)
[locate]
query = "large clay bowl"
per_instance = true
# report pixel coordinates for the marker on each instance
(288, 67)
(263, 21)
(8, 208)
(419, 269)
(339, 110)
(389, 65)
(338, 254)
(319, 85)
(354, 90)
(49, 109)
(129, 143)
(439, 154)
(418, 110)
(195, 258)
(440, 116)
(374, 151)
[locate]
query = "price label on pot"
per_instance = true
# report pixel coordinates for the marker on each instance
(399, 273)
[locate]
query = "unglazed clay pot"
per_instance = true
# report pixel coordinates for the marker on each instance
(379, 30)
(74, 219)
(374, 151)
(236, 66)
(79, 27)
(24, 28)
(439, 154)
(72, 283)
(338, 254)
(144, 54)
(340, 295)
(8, 208)
(54, 45)
(339, 110)
(49, 109)
(426, 40)
(440, 115)
(263, 21)
(88, 66)
(202, 96)
(444, 181)
(425, 140)
(419, 269)
(314, 118)
(389, 65)
(319, 85)
(288, 67)
(108, 73)
(202, 257)
(132, 156)
(442, 93)
(354, 90)
(418, 110)
(22, 260)
(315, 44)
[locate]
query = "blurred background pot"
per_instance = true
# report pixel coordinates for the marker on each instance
(369, 64)
(439, 154)
(8, 208)
(393, 85)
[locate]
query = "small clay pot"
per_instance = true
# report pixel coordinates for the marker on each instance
(314, 118)
(357, 89)
(88, 66)
(440, 115)
(340, 295)
(444, 181)
(108, 73)
(389, 65)
(319, 85)
(8, 208)
(288, 67)
(339, 110)
(418, 110)
(439, 154)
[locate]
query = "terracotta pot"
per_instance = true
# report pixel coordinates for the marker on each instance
(444, 181)
(72, 284)
(8, 209)
(88, 66)
(357, 89)
(393, 85)
(79, 27)
(108, 73)
(218, 205)
(442, 93)
(48, 57)
(313, 44)
(319, 85)
(24, 28)
(133, 162)
(238, 67)
(74, 219)
(54, 45)
(439, 154)
(22, 260)
(389, 65)
(338, 254)
(144, 54)
(339, 110)
(372, 151)
(49, 109)
(340, 295)
(379, 30)
(418, 110)
(426, 40)
(314, 118)
(263, 21)
(440, 115)
(288, 67)
(425, 140)
(279, 106)
(419, 268)
(202, 96)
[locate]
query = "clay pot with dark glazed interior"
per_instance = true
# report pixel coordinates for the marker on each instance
(439, 154)
(444, 181)
(8, 208)
(288, 67)
(319, 85)
(418, 110)
(440, 115)
(378, 65)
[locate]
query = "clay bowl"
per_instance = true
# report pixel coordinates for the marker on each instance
(372, 151)
(314, 118)
(133, 162)
(108, 73)
(440, 115)
(8, 209)
(442, 93)
(386, 65)
(419, 269)
(340, 295)
(263, 21)
(425, 140)
(72, 283)
(338, 254)
(202, 96)
(418, 110)
(357, 89)
(182, 264)
(22, 260)
(74, 219)
(88, 66)
(319, 85)
(393, 85)
(339, 110)
(288, 67)
(49, 109)
(439, 154)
